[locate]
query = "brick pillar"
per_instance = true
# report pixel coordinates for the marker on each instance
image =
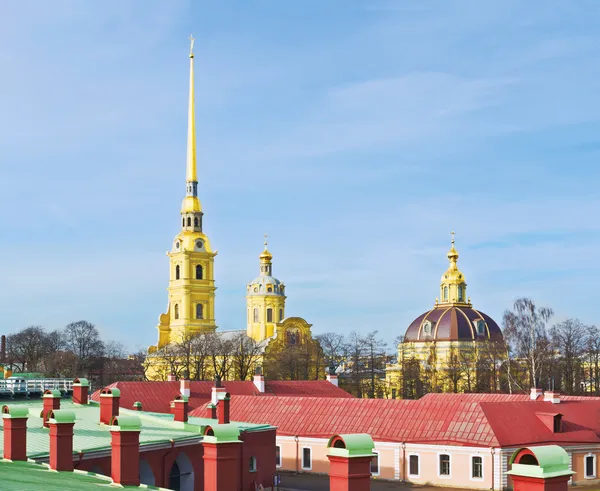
(61, 424)
(211, 411)
(350, 462)
(223, 410)
(544, 468)
(51, 400)
(181, 409)
(109, 404)
(15, 432)
(81, 388)
(125, 444)
(222, 453)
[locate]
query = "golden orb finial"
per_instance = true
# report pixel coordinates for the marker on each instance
(266, 255)
(453, 253)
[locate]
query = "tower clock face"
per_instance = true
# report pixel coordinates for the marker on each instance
(199, 244)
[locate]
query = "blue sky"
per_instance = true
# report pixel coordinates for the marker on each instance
(357, 134)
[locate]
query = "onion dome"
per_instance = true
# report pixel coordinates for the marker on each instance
(266, 283)
(453, 318)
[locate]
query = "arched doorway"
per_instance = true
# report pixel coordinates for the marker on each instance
(146, 474)
(181, 477)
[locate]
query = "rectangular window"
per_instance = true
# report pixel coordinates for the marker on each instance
(278, 456)
(590, 466)
(413, 465)
(444, 465)
(255, 314)
(306, 458)
(269, 315)
(280, 315)
(477, 468)
(252, 464)
(375, 464)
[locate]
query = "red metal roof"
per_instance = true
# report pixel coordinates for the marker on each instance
(442, 419)
(157, 396)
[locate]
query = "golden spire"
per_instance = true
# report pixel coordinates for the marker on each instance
(453, 253)
(191, 137)
(453, 288)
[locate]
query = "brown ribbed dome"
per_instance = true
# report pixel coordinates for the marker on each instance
(453, 323)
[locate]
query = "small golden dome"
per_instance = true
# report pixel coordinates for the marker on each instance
(266, 256)
(191, 204)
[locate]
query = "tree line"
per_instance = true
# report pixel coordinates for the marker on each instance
(77, 350)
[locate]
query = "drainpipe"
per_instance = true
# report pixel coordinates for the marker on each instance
(296, 440)
(167, 472)
(492, 468)
(403, 468)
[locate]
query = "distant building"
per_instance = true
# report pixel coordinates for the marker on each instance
(441, 346)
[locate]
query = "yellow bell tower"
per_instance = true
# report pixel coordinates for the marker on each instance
(453, 287)
(191, 306)
(265, 300)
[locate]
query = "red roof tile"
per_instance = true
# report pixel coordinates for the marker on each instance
(157, 396)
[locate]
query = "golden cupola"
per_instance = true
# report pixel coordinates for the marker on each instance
(453, 287)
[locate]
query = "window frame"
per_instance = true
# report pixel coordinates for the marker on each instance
(177, 272)
(256, 315)
(269, 317)
(418, 475)
(280, 315)
(200, 308)
(594, 459)
(253, 467)
(471, 467)
(278, 457)
(375, 453)
(176, 311)
(309, 468)
(439, 465)
(199, 269)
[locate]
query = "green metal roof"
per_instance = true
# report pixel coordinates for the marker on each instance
(553, 461)
(10, 411)
(181, 398)
(27, 475)
(110, 392)
(90, 435)
(52, 393)
(83, 382)
(355, 445)
(62, 416)
(126, 423)
(227, 433)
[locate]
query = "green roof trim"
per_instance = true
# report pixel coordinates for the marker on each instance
(227, 433)
(10, 412)
(110, 392)
(553, 461)
(181, 398)
(353, 445)
(126, 423)
(81, 382)
(61, 416)
(52, 393)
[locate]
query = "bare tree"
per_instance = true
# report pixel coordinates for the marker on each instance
(568, 338)
(245, 355)
(592, 359)
(83, 339)
(334, 348)
(453, 369)
(526, 329)
(27, 348)
(375, 357)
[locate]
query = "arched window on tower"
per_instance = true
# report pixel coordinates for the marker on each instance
(195, 221)
(255, 314)
(199, 272)
(460, 293)
(183, 222)
(280, 315)
(269, 315)
(445, 294)
(189, 220)
(176, 311)
(199, 311)
(177, 272)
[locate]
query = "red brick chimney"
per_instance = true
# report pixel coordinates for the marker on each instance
(350, 462)
(125, 444)
(81, 388)
(535, 393)
(544, 468)
(211, 411)
(184, 387)
(221, 458)
(61, 424)
(181, 409)
(15, 432)
(109, 404)
(51, 403)
(137, 406)
(217, 391)
(223, 410)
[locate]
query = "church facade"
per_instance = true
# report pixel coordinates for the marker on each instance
(190, 310)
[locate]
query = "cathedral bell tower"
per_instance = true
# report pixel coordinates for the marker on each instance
(191, 307)
(265, 300)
